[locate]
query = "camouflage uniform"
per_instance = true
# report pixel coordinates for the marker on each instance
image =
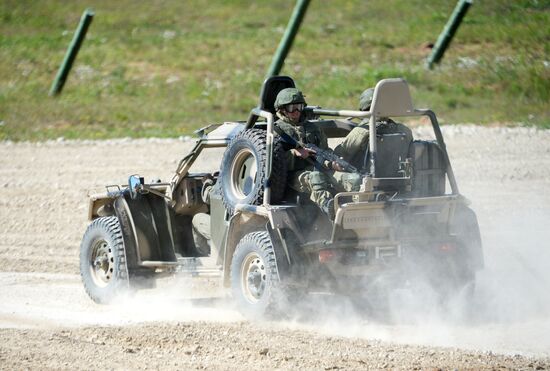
(356, 143)
(302, 174)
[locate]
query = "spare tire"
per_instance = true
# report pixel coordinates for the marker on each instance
(243, 171)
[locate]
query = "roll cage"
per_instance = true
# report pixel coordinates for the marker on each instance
(391, 99)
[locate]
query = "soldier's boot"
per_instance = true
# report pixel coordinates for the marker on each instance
(351, 182)
(328, 208)
(325, 201)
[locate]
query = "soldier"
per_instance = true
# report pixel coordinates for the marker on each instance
(303, 177)
(356, 143)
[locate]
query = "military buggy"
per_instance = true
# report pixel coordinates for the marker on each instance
(271, 245)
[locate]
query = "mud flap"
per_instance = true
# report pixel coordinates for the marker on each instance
(280, 247)
(293, 270)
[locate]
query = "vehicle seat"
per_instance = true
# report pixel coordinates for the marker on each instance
(392, 149)
(270, 88)
(429, 168)
(391, 99)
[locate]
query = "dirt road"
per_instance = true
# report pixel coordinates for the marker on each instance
(47, 321)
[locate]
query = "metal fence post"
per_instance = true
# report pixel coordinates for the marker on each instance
(448, 32)
(288, 37)
(72, 51)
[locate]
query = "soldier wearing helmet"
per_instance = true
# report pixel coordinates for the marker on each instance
(356, 143)
(289, 105)
(303, 177)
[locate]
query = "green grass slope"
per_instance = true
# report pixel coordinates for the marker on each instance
(166, 67)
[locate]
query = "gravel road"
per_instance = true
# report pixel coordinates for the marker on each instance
(48, 322)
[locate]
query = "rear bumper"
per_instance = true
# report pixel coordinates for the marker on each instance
(400, 257)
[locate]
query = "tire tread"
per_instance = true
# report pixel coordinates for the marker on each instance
(110, 227)
(255, 139)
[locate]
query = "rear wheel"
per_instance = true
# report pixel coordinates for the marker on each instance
(255, 281)
(462, 273)
(453, 281)
(102, 260)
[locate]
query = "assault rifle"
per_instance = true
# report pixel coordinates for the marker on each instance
(321, 155)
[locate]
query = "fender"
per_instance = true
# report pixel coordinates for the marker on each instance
(239, 225)
(101, 204)
(147, 229)
(252, 218)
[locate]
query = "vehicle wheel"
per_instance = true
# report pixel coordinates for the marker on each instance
(255, 281)
(243, 170)
(452, 282)
(102, 260)
(466, 229)
(457, 280)
(461, 273)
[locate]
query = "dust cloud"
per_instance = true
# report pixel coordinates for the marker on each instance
(59, 299)
(502, 171)
(508, 313)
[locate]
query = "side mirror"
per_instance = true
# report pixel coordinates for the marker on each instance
(135, 183)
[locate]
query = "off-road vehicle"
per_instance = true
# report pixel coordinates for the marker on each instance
(271, 245)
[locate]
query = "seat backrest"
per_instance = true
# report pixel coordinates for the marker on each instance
(429, 169)
(392, 148)
(271, 87)
(392, 99)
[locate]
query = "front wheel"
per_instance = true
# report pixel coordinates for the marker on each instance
(102, 260)
(255, 281)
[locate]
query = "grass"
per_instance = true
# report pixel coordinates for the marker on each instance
(165, 68)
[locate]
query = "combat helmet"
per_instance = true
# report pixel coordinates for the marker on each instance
(289, 96)
(365, 99)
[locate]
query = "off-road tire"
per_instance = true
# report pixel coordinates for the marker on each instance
(454, 281)
(243, 170)
(102, 260)
(255, 281)
(462, 275)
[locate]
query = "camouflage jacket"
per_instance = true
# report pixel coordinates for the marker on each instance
(306, 132)
(357, 141)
